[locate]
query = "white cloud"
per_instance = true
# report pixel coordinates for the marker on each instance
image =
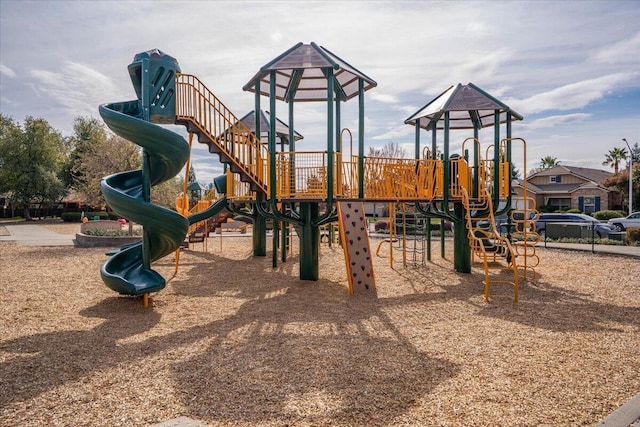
(4, 70)
(573, 95)
(623, 51)
(551, 121)
(403, 131)
(384, 98)
(76, 87)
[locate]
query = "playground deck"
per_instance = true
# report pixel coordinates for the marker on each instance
(230, 342)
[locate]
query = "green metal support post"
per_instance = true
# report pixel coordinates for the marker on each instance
(309, 242)
(259, 221)
(496, 159)
(361, 139)
(429, 236)
(146, 184)
(259, 234)
(434, 156)
(275, 243)
(462, 250)
(330, 130)
(476, 162)
(417, 138)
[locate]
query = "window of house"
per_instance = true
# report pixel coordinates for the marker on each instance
(589, 204)
(555, 179)
(559, 203)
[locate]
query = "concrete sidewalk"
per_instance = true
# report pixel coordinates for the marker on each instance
(36, 235)
(630, 251)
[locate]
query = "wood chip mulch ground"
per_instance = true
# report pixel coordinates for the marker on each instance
(232, 341)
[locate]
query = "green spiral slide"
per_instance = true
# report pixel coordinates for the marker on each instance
(128, 271)
(164, 230)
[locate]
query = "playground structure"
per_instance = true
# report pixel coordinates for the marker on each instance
(307, 191)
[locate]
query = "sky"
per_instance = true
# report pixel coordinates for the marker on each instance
(570, 68)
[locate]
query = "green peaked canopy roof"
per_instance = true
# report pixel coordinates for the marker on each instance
(468, 105)
(282, 130)
(196, 186)
(301, 75)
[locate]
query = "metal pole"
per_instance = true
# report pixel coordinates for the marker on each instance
(360, 139)
(630, 177)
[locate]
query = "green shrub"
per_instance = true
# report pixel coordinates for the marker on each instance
(633, 236)
(102, 215)
(111, 233)
(607, 215)
(574, 210)
(71, 217)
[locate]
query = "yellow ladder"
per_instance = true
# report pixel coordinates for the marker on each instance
(495, 251)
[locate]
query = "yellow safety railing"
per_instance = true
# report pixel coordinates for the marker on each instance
(301, 174)
(238, 189)
(199, 206)
(394, 178)
(505, 171)
(459, 177)
(199, 106)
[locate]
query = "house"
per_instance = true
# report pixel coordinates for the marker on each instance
(568, 187)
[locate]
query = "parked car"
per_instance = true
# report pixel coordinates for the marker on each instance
(622, 224)
(602, 229)
(504, 221)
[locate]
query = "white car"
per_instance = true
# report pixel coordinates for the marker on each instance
(622, 224)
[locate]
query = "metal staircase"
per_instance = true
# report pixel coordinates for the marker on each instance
(206, 116)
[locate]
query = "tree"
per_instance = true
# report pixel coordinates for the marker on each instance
(98, 154)
(549, 162)
(620, 182)
(99, 159)
(86, 132)
(515, 173)
(31, 160)
(9, 131)
(166, 193)
(392, 150)
(614, 157)
(192, 175)
(635, 152)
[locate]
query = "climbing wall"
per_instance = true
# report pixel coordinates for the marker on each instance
(357, 253)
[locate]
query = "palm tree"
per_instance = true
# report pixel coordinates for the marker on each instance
(549, 162)
(614, 157)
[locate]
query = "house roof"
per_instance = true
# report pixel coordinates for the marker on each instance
(559, 188)
(531, 188)
(591, 178)
(588, 174)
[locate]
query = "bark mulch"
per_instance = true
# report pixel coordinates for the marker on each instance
(232, 341)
